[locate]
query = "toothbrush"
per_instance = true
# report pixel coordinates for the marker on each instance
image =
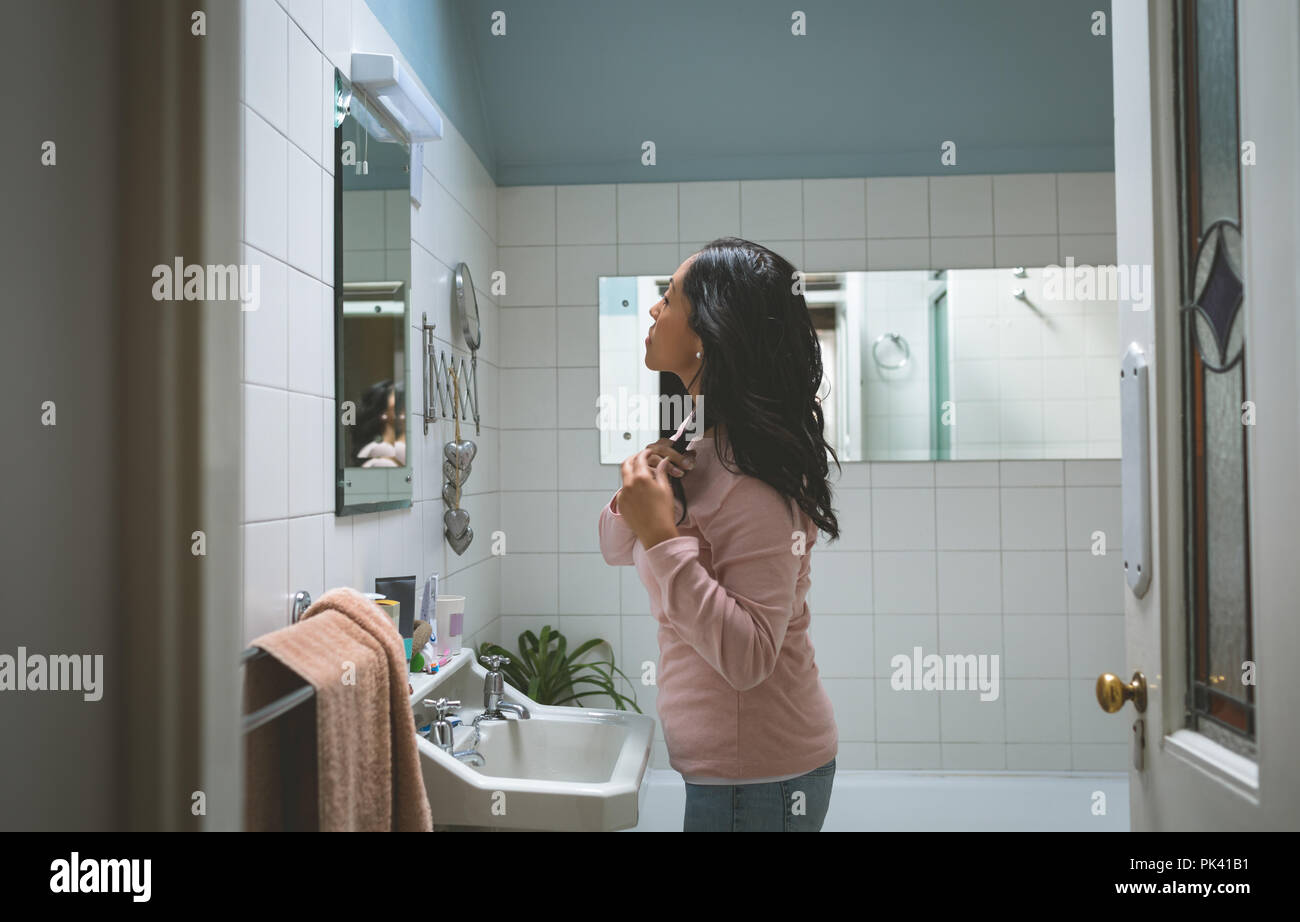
(427, 605)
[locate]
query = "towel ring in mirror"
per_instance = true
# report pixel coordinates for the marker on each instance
(899, 343)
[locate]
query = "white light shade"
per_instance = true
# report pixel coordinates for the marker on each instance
(417, 174)
(383, 78)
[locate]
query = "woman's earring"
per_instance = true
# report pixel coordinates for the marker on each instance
(699, 355)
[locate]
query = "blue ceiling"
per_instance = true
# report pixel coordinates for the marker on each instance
(725, 91)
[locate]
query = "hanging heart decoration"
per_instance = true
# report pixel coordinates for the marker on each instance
(457, 521)
(450, 472)
(458, 455)
(458, 544)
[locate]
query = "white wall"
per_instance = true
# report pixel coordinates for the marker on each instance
(982, 557)
(292, 539)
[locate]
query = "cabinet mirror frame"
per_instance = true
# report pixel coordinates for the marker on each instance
(353, 111)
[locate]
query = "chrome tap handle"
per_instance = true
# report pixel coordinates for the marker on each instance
(442, 706)
(493, 684)
(442, 735)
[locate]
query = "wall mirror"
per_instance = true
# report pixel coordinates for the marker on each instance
(947, 364)
(467, 301)
(372, 273)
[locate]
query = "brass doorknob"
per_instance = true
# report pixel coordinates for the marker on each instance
(1112, 692)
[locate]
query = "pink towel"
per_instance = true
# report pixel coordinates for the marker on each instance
(367, 764)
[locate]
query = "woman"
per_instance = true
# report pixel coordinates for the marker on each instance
(746, 720)
(381, 426)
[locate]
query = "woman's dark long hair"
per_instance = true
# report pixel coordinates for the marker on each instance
(761, 373)
(370, 415)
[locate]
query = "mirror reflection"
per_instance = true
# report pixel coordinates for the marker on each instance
(948, 364)
(372, 262)
(374, 328)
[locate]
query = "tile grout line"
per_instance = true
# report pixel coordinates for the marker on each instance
(1002, 617)
(288, 446)
(1069, 689)
(929, 225)
(938, 640)
(555, 298)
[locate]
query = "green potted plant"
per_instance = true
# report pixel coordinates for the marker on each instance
(548, 673)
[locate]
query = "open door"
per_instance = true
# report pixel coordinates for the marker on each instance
(1207, 125)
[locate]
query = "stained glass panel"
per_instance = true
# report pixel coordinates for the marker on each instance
(1217, 539)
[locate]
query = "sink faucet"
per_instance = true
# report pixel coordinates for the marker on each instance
(441, 734)
(494, 708)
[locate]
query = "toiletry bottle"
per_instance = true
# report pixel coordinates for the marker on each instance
(457, 626)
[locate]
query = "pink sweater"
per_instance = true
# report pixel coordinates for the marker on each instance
(739, 693)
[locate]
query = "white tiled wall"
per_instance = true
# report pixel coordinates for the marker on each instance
(965, 557)
(292, 539)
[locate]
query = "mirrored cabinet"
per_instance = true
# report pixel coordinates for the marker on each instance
(372, 303)
(918, 365)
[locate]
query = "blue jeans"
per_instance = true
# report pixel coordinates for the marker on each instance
(770, 807)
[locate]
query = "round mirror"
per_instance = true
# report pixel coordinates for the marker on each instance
(469, 325)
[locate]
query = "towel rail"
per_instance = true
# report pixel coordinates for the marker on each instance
(286, 703)
(282, 705)
(264, 715)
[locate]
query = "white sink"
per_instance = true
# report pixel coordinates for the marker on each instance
(563, 768)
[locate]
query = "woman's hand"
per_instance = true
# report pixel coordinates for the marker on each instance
(645, 500)
(663, 449)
